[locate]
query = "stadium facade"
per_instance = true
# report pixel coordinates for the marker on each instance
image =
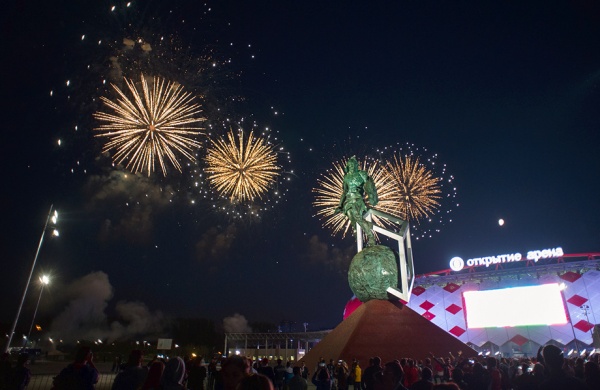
(439, 298)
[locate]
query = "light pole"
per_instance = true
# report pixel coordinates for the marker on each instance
(50, 221)
(44, 280)
(585, 309)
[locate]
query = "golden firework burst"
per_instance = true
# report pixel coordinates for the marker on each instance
(244, 169)
(416, 190)
(329, 191)
(153, 125)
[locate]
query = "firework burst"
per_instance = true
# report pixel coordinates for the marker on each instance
(241, 169)
(441, 210)
(416, 191)
(155, 125)
(329, 191)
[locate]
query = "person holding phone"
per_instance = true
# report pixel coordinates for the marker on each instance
(321, 377)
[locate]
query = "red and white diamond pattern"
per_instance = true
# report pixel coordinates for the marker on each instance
(577, 300)
(591, 279)
(454, 313)
(435, 295)
(583, 291)
(519, 340)
(443, 306)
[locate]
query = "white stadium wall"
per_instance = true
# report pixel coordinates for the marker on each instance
(439, 299)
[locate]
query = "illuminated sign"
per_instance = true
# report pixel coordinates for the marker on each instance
(457, 263)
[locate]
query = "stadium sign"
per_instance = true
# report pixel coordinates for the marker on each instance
(457, 263)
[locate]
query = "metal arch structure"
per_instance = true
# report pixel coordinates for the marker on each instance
(402, 236)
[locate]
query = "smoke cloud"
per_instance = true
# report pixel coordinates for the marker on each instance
(131, 201)
(84, 313)
(337, 259)
(214, 245)
(137, 319)
(237, 323)
(84, 316)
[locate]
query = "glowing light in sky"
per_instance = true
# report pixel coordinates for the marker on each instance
(241, 169)
(441, 214)
(154, 125)
(501, 222)
(417, 191)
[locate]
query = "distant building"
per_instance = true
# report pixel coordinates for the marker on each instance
(290, 346)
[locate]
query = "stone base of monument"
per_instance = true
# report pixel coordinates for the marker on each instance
(388, 330)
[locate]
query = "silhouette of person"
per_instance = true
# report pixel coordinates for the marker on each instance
(173, 375)
(79, 375)
(368, 377)
(21, 373)
(133, 374)
(557, 378)
(5, 370)
(154, 375)
(255, 382)
(196, 375)
(297, 382)
(234, 369)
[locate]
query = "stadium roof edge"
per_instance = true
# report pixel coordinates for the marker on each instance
(472, 269)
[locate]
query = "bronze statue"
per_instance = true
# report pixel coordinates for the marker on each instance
(352, 203)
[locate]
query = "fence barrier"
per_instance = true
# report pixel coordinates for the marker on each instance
(44, 382)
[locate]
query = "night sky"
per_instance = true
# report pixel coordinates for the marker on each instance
(506, 94)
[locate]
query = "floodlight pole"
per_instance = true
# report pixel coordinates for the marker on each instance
(14, 325)
(35, 311)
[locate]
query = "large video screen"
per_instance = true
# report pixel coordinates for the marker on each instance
(517, 306)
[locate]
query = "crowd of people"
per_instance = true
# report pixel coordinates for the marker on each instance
(548, 370)
(16, 377)
(157, 374)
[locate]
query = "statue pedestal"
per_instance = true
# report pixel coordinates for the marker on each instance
(388, 330)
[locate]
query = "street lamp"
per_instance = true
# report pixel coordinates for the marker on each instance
(44, 280)
(50, 221)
